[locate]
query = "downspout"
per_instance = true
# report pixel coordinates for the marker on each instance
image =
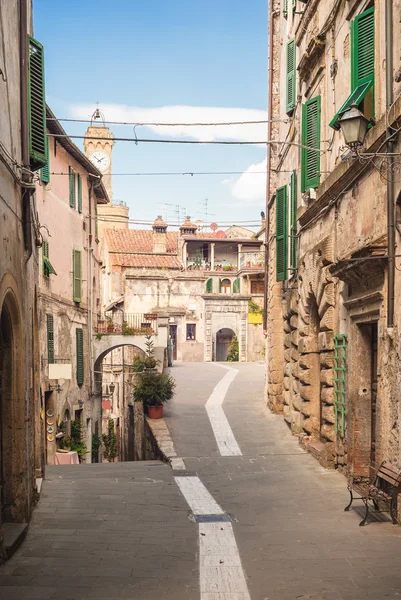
(268, 164)
(390, 159)
(90, 290)
(26, 192)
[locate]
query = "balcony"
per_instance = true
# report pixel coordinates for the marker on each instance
(253, 261)
(119, 322)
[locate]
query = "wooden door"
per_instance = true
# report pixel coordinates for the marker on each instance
(173, 333)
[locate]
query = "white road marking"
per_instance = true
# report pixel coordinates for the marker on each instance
(197, 496)
(221, 428)
(221, 576)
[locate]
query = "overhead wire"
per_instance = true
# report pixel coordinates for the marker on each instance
(149, 124)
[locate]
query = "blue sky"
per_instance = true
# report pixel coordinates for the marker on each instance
(141, 59)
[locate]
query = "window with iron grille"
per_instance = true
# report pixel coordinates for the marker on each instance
(340, 370)
(80, 355)
(191, 332)
(50, 338)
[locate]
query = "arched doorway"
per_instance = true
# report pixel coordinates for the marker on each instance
(225, 286)
(224, 338)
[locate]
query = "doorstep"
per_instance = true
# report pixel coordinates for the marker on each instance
(14, 534)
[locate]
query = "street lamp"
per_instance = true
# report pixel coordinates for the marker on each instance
(354, 126)
(112, 387)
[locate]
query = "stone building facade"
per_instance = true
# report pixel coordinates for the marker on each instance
(333, 334)
(67, 195)
(21, 459)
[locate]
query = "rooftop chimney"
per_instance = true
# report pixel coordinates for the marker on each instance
(159, 236)
(188, 228)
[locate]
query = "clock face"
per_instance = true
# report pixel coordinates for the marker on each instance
(101, 160)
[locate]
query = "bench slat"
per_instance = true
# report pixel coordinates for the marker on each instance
(395, 475)
(388, 478)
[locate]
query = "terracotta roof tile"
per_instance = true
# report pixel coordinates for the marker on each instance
(137, 240)
(149, 261)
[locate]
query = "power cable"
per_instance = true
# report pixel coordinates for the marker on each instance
(192, 173)
(140, 124)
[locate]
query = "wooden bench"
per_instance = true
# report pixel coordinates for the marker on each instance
(384, 489)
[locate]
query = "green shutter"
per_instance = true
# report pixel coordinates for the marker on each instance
(79, 190)
(80, 355)
(50, 339)
(294, 6)
(363, 48)
(293, 221)
(285, 8)
(209, 285)
(219, 285)
(71, 181)
(236, 286)
(45, 255)
(356, 97)
(281, 233)
(340, 369)
(45, 171)
(36, 105)
(290, 77)
(76, 275)
(310, 159)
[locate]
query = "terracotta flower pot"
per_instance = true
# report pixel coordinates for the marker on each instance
(155, 412)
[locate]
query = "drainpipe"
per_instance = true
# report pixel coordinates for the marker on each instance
(390, 159)
(268, 165)
(26, 192)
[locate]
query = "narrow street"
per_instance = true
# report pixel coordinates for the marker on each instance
(128, 530)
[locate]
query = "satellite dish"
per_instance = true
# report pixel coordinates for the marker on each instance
(221, 234)
(199, 224)
(214, 226)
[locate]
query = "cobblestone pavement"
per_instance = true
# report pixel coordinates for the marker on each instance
(126, 530)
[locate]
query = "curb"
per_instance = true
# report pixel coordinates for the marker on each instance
(162, 437)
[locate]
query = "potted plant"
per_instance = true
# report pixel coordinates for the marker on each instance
(153, 389)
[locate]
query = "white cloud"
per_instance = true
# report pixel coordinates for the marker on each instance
(250, 187)
(185, 114)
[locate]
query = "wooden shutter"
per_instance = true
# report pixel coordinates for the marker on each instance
(236, 286)
(45, 255)
(50, 339)
(71, 180)
(45, 171)
(80, 355)
(294, 6)
(209, 285)
(310, 158)
(36, 105)
(76, 275)
(219, 285)
(290, 77)
(79, 191)
(293, 221)
(281, 233)
(285, 8)
(363, 48)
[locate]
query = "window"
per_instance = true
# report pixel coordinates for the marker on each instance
(225, 286)
(293, 221)
(191, 332)
(76, 275)
(340, 368)
(281, 233)
(48, 268)
(209, 285)
(236, 286)
(290, 78)
(79, 334)
(50, 339)
(45, 171)
(36, 105)
(362, 66)
(79, 191)
(257, 286)
(285, 8)
(71, 180)
(310, 155)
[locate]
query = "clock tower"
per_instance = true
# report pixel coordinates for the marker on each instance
(99, 151)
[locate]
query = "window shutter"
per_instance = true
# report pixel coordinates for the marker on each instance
(290, 78)
(209, 285)
(45, 171)
(76, 275)
(310, 159)
(96, 222)
(219, 285)
(294, 6)
(285, 8)
(293, 221)
(236, 286)
(45, 254)
(36, 105)
(80, 355)
(79, 191)
(281, 233)
(50, 339)
(71, 179)
(363, 48)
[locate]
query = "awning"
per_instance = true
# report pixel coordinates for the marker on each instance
(48, 266)
(114, 304)
(355, 97)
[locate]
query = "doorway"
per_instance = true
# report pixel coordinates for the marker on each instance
(173, 334)
(224, 337)
(373, 386)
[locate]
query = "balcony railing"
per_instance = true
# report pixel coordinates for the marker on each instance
(252, 260)
(118, 322)
(206, 266)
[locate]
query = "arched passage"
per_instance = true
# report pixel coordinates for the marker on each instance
(224, 338)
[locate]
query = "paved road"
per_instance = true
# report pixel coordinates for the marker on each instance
(128, 530)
